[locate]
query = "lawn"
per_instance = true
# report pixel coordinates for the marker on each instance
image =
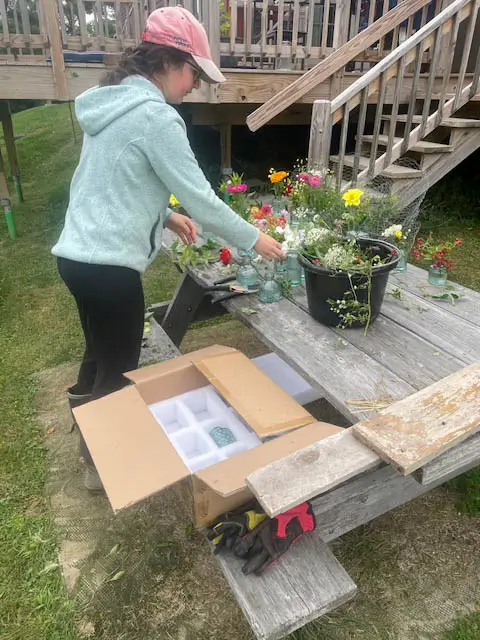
(39, 330)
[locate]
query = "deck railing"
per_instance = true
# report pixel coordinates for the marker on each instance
(269, 34)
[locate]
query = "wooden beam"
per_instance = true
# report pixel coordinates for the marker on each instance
(56, 49)
(461, 458)
(335, 62)
(226, 148)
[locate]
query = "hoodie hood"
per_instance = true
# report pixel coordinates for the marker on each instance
(100, 106)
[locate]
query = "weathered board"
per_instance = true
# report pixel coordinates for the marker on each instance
(306, 583)
(410, 433)
(311, 471)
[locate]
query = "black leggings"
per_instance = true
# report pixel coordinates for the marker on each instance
(110, 303)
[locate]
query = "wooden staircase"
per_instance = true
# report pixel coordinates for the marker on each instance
(382, 126)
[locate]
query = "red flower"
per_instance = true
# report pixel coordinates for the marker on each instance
(288, 189)
(458, 242)
(225, 256)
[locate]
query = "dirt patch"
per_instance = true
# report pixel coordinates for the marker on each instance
(147, 574)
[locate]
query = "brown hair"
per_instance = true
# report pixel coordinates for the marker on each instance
(146, 59)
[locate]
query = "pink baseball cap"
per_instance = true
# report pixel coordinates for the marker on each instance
(177, 28)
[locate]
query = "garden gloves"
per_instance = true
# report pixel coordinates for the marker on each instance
(231, 526)
(263, 544)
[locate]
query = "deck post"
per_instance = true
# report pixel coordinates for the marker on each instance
(6, 120)
(226, 148)
(320, 135)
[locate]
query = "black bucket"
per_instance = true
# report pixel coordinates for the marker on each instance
(323, 284)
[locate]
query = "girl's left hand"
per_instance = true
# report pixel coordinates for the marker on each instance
(183, 227)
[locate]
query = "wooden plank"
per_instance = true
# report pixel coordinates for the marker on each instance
(25, 18)
(332, 64)
(341, 372)
(280, 12)
(310, 19)
(248, 22)
(233, 25)
(311, 471)
(82, 21)
(437, 325)
(296, 20)
(413, 431)
(363, 499)
(326, 18)
(58, 65)
(414, 281)
(461, 458)
(3, 16)
(61, 16)
(417, 360)
(342, 146)
(304, 584)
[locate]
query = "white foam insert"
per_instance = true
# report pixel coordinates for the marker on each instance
(171, 415)
(287, 378)
(187, 420)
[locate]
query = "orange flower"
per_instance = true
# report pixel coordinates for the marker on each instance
(278, 176)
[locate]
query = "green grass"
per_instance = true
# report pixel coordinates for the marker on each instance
(39, 329)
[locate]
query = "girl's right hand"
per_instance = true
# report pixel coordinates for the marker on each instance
(268, 248)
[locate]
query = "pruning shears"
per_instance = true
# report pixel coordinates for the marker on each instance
(227, 288)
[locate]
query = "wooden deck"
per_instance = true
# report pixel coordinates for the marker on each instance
(262, 46)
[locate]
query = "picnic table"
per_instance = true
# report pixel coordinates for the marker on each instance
(416, 341)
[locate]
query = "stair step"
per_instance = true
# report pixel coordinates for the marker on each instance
(424, 146)
(461, 123)
(454, 123)
(394, 171)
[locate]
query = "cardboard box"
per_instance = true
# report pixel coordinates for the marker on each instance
(135, 458)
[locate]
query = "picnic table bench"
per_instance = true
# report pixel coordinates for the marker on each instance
(416, 342)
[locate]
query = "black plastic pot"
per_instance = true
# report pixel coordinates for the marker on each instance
(324, 284)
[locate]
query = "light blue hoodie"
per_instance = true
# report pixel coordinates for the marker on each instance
(135, 154)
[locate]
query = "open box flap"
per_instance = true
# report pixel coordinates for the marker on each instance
(132, 454)
(228, 477)
(261, 403)
(175, 364)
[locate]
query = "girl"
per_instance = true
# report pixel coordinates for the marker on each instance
(135, 154)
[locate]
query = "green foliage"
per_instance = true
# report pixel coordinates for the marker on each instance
(192, 255)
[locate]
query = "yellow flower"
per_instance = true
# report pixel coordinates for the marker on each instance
(173, 202)
(352, 197)
(278, 176)
(398, 234)
(254, 210)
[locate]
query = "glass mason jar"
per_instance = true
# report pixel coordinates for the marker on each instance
(437, 275)
(402, 261)
(294, 268)
(247, 275)
(278, 205)
(270, 290)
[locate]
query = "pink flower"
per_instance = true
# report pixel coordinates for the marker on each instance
(303, 177)
(261, 224)
(314, 181)
(237, 188)
(266, 210)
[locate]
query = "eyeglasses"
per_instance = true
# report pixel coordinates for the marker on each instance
(197, 74)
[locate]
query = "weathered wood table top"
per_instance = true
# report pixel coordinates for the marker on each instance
(415, 341)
